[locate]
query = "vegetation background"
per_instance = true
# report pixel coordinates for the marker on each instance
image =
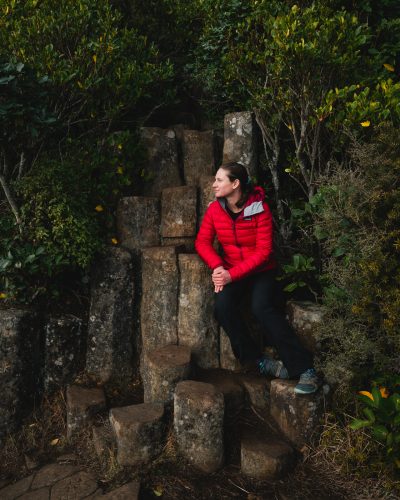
(79, 77)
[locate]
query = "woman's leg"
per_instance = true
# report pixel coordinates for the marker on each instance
(295, 357)
(227, 313)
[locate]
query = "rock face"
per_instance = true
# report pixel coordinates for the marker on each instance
(304, 318)
(228, 385)
(197, 327)
(226, 356)
(206, 195)
(257, 390)
(138, 222)
(110, 331)
(162, 167)
(159, 305)
(82, 405)
(162, 369)
(263, 459)
(80, 485)
(187, 244)
(296, 415)
(21, 364)
(198, 424)
(178, 209)
(240, 142)
(198, 155)
(64, 350)
(139, 432)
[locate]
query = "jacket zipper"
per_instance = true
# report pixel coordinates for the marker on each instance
(236, 240)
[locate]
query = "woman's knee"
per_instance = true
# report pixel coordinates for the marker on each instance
(262, 308)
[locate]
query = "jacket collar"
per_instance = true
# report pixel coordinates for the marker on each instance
(254, 204)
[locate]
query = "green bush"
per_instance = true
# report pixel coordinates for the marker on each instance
(358, 217)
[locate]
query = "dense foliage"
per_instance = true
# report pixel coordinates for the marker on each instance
(322, 77)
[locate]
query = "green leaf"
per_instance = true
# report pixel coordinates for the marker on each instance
(369, 414)
(359, 424)
(380, 432)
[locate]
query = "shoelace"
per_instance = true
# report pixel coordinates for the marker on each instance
(308, 374)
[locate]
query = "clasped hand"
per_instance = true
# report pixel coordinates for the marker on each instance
(220, 278)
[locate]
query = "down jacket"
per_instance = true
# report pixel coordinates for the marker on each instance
(246, 242)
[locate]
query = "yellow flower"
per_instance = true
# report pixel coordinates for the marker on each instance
(389, 67)
(367, 123)
(99, 208)
(366, 393)
(120, 170)
(384, 392)
(94, 58)
(3, 295)
(114, 241)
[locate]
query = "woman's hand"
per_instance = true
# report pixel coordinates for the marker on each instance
(220, 278)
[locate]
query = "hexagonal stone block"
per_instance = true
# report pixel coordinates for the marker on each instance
(304, 316)
(162, 369)
(178, 212)
(198, 155)
(198, 424)
(139, 430)
(82, 405)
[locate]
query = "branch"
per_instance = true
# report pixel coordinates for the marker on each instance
(10, 199)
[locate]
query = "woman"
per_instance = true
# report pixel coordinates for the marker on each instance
(242, 222)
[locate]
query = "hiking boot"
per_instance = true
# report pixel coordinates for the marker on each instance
(308, 383)
(275, 368)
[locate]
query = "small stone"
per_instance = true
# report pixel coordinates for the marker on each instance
(263, 459)
(15, 490)
(78, 486)
(228, 385)
(198, 155)
(297, 416)
(52, 473)
(129, 491)
(305, 318)
(163, 368)
(139, 431)
(178, 212)
(30, 463)
(67, 458)
(82, 405)
(198, 424)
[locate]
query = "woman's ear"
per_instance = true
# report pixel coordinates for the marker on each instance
(235, 183)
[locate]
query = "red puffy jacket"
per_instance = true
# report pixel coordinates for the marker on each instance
(246, 242)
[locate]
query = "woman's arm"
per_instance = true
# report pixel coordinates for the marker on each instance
(204, 242)
(263, 250)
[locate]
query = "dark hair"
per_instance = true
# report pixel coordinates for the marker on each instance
(238, 171)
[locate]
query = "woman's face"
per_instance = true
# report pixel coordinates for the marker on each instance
(222, 185)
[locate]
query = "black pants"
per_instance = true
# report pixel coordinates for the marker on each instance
(276, 330)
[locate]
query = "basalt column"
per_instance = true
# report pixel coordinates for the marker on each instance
(240, 142)
(197, 327)
(110, 330)
(159, 307)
